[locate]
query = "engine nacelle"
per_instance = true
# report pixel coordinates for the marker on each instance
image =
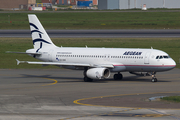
(98, 73)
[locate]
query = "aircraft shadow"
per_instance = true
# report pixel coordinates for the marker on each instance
(59, 79)
(80, 79)
(133, 79)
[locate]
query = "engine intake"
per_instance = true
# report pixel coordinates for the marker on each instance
(98, 73)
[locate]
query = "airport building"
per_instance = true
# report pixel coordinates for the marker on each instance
(131, 4)
(50, 1)
(68, 2)
(74, 2)
(16, 4)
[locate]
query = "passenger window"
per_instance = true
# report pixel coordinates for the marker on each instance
(157, 57)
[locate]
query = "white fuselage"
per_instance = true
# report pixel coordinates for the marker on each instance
(97, 63)
(123, 59)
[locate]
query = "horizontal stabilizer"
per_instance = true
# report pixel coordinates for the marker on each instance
(23, 53)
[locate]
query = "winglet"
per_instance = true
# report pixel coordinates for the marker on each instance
(18, 61)
(8, 52)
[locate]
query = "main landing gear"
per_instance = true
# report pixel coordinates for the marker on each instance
(118, 76)
(154, 79)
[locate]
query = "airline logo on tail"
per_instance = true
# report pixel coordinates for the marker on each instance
(40, 34)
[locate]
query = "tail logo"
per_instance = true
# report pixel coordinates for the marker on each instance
(40, 34)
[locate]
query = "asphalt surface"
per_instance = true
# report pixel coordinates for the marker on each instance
(60, 94)
(124, 33)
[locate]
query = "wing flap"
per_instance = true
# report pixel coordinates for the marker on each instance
(66, 64)
(53, 63)
(63, 64)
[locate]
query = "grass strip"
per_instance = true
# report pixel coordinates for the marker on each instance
(8, 61)
(94, 20)
(172, 99)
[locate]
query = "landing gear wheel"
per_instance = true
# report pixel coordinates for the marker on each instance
(118, 76)
(115, 76)
(86, 79)
(154, 80)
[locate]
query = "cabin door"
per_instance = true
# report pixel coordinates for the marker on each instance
(146, 59)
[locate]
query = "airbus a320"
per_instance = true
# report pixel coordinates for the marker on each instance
(97, 63)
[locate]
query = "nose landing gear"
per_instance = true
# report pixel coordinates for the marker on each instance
(154, 79)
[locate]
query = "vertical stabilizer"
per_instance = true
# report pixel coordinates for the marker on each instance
(39, 36)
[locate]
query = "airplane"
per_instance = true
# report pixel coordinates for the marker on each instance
(97, 63)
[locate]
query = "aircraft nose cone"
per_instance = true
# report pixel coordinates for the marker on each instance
(173, 63)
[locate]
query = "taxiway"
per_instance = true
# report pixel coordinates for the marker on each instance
(60, 94)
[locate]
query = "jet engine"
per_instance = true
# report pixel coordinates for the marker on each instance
(98, 73)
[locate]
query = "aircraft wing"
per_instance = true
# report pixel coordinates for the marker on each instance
(66, 64)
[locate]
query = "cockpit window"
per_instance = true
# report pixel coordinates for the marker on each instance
(165, 57)
(161, 57)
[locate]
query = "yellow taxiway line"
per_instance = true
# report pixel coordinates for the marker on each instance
(78, 101)
(55, 81)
